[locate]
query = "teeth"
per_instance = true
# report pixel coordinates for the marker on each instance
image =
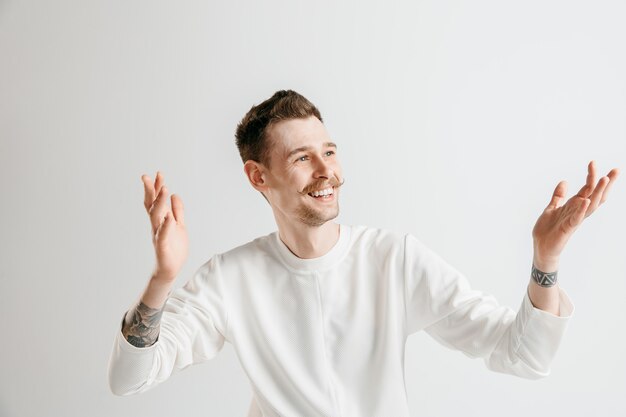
(327, 191)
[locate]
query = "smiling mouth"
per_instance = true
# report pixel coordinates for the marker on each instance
(324, 197)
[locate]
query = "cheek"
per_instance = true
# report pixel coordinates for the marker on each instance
(291, 186)
(338, 174)
(298, 181)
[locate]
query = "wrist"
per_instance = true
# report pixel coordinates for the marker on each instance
(545, 264)
(157, 290)
(162, 277)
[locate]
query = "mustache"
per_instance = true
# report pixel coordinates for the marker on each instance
(319, 186)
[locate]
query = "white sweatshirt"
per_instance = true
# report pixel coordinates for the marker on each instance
(326, 336)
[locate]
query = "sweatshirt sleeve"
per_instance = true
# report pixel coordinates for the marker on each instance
(193, 329)
(439, 301)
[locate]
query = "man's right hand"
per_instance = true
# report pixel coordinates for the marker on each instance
(169, 234)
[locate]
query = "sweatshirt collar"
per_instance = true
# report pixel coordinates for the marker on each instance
(326, 261)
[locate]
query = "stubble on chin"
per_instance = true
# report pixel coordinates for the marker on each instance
(315, 218)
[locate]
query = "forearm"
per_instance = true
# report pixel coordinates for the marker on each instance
(544, 297)
(142, 323)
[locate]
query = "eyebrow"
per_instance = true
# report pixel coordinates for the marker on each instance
(306, 148)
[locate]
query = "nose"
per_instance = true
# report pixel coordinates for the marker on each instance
(324, 169)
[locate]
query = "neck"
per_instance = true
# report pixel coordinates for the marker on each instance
(308, 242)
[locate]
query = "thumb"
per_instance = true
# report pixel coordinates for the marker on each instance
(558, 195)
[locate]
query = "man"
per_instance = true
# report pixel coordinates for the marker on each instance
(319, 312)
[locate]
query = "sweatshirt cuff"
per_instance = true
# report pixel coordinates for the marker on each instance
(566, 307)
(540, 332)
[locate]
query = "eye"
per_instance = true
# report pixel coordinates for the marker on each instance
(330, 152)
(300, 158)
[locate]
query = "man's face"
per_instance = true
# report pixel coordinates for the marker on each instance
(303, 160)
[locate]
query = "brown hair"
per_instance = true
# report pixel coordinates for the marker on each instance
(251, 134)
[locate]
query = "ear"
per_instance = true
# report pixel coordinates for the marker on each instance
(256, 174)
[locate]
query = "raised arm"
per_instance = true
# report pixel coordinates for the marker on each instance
(167, 330)
(169, 237)
(555, 227)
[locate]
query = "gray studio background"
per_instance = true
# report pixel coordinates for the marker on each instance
(454, 120)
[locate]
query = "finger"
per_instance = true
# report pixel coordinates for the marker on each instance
(558, 195)
(158, 183)
(159, 209)
(586, 190)
(597, 194)
(178, 209)
(612, 177)
(149, 194)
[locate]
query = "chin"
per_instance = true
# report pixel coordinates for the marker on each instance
(317, 217)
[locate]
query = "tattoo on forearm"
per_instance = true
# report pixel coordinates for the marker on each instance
(142, 325)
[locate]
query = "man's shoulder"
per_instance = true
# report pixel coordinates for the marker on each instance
(242, 257)
(258, 245)
(377, 236)
(372, 231)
